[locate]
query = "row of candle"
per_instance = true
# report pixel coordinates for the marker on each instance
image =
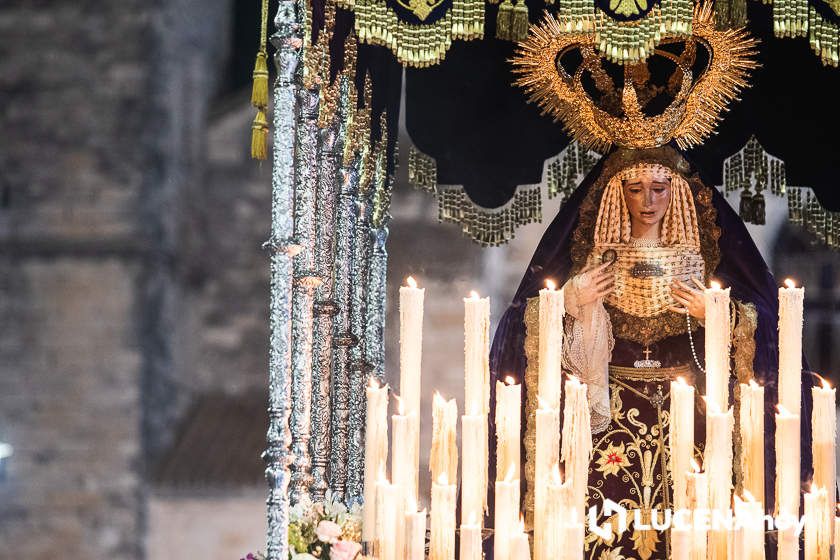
(559, 504)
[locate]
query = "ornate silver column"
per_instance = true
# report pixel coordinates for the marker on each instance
(306, 281)
(360, 368)
(287, 41)
(325, 309)
(377, 291)
(344, 340)
(375, 327)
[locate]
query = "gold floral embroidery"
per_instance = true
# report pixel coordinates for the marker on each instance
(745, 318)
(743, 340)
(532, 371)
(612, 554)
(631, 449)
(612, 459)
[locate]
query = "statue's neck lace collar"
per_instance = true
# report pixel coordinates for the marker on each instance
(641, 242)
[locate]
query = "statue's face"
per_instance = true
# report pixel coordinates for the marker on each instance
(647, 196)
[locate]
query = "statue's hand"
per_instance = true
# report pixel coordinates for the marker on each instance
(690, 298)
(593, 283)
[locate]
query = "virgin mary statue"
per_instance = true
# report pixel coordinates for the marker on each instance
(633, 247)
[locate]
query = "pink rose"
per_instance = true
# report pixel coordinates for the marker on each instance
(327, 531)
(344, 550)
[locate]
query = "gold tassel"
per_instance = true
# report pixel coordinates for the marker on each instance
(259, 136)
(519, 25)
(503, 21)
(259, 93)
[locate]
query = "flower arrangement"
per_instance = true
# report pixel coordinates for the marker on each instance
(325, 530)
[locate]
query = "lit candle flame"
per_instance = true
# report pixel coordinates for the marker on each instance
(823, 383)
(543, 404)
(521, 527)
(681, 381)
(550, 285)
(412, 283)
(716, 285)
(695, 466)
(754, 385)
(574, 379)
(790, 283)
(400, 406)
(410, 505)
(472, 520)
(382, 477)
(509, 380)
(473, 294)
(443, 480)
(748, 497)
(373, 383)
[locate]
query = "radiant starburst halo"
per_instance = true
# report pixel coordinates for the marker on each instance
(620, 115)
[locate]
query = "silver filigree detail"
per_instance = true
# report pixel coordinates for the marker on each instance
(286, 40)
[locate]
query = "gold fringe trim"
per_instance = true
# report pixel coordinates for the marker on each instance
(416, 45)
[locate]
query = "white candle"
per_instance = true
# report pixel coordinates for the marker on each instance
(474, 467)
(790, 347)
(788, 543)
(442, 545)
(751, 422)
(576, 446)
(717, 346)
(572, 539)
(415, 530)
(386, 526)
(681, 543)
(508, 426)
(697, 492)
(547, 529)
(562, 538)
(470, 540)
(824, 433)
(519, 548)
(551, 311)
(681, 437)
(817, 533)
(411, 343)
(548, 453)
(506, 514)
(718, 464)
(476, 355)
(836, 519)
(443, 459)
(376, 453)
(749, 529)
(403, 472)
(787, 462)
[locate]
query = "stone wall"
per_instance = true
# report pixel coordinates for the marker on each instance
(104, 119)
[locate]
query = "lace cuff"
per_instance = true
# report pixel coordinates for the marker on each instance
(587, 349)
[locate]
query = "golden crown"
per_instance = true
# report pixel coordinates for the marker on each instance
(557, 79)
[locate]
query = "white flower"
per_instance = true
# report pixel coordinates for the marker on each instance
(327, 531)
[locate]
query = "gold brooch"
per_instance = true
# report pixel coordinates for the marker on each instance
(555, 61)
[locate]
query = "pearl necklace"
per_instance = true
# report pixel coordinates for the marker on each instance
(691, 342)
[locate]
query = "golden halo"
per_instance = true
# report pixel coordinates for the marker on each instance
(689, 119)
